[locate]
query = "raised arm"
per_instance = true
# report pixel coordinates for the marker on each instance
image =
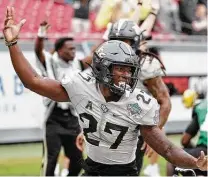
(149, 22)
(39, 42)
(136, 14)
(31, 80)
(159, 142)
(158, 89)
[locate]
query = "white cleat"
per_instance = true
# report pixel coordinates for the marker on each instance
(64, 172)
(152, 170)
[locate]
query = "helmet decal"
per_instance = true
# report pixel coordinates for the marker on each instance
(100, 52)
(120, 25)
(137, 29)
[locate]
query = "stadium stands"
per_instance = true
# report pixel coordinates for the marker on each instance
(59, 14)
(34, 11)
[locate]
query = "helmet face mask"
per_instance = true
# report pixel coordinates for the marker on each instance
(123, 82)
(115, 53)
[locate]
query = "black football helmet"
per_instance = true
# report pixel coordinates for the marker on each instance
(126, 29)
(111, 53)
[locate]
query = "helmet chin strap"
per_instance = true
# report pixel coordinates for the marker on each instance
(123, 87)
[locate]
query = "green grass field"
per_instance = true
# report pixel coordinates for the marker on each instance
(25, 159)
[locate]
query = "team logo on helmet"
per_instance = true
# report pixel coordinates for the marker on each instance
(100, 52)
(137, 29)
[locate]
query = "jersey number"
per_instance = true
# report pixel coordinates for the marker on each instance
(108, 127)
(146, 101)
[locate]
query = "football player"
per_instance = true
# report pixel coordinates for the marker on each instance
(150, 75)
(197, 125)
(61, 123)
(111, 110)
(152, 69)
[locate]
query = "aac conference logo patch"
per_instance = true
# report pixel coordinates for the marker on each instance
(134, 109)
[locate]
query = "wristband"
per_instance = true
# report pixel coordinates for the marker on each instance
(153, 13)
(42, 31)
(8, 44)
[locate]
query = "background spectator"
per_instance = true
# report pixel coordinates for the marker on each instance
(168, 17)
(80, 22)
(186, 13)
(193, 16)
(198, 124)
(199, 25)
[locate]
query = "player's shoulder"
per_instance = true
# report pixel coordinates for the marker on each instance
(144, 100)
(143, 108)
(85, 76)
(150, 63)
(151, 66)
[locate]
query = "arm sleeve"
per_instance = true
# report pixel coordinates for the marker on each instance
(193, 127)
(67, 83)
(81, 65)
(72, 85)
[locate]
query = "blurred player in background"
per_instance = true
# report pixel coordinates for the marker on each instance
(153, 168)
(61, 126)
(199, 123)
(111, 11)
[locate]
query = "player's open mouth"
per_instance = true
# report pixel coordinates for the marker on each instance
(122, 79)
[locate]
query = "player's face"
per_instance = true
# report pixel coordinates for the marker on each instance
(67, 52)
(121, 74)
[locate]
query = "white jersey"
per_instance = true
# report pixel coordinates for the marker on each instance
(111, 128)
(56, 68)
(150, 68)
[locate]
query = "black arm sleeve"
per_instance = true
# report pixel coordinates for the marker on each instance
(193, 127)
(82, 65)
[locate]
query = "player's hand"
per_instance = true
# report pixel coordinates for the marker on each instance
(155, 5)
(144, 145)
(11, 30)
(140, 2)
(148, 150)
(202, 162)
(80, 142)
(44, 26)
